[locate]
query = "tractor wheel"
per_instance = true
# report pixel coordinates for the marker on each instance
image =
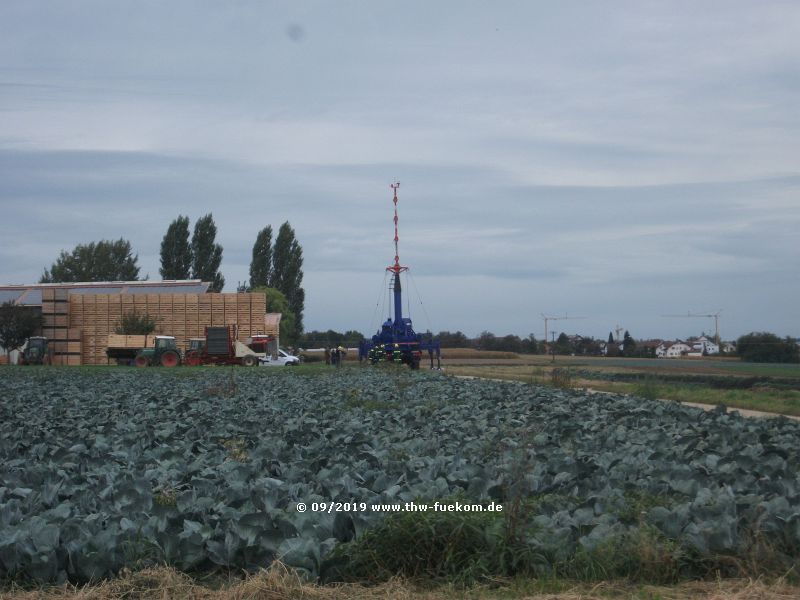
(249, 360)
(141, 361)
(170, 358)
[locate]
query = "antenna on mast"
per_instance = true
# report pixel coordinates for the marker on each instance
(396, 268)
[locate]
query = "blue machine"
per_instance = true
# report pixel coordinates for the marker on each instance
(396, 341)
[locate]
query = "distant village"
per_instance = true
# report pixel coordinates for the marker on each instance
(690, 347)
(578, 345)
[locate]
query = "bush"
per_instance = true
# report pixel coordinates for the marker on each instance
(561, 378)
(648, 388)
(760, 346)
(451, 546)
(136, 323)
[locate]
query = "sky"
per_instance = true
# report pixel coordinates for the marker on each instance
(615, 161)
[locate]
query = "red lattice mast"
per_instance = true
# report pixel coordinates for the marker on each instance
(396, 268)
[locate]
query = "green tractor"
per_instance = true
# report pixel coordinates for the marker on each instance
(165, 353)
(36, 352)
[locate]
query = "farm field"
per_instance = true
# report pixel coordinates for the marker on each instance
(716, 366)
(104, 469)
(761, 387)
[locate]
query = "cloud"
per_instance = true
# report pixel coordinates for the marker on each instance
(614, 163)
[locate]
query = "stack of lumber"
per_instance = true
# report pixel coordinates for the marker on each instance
(116, 340)
(65, 340)
(95, 317)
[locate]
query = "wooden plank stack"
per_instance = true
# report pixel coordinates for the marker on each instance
(217, 310)
(65, 340)
(91, 318)
(116, 340)
(192, 316)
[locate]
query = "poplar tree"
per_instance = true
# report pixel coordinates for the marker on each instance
(261, 265)
(176, 251)
(206, 254)
(287, 272)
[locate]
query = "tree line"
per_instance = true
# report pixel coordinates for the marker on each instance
(753, 347)
(563, 344)
(457, 339)
(276, 269)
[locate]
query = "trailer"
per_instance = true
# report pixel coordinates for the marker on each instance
(221, 347)
(124, 348)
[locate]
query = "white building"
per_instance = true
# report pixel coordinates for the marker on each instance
(678, 349)
(674, 349)
(705, 346)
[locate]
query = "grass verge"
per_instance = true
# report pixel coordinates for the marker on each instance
(277, 582)
(465, 549)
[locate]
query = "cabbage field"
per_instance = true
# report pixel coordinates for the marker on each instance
(204, 468)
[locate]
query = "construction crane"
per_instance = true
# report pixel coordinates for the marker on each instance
(715, 316)
(547, 319)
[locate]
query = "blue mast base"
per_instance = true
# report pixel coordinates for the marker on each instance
(412, 346)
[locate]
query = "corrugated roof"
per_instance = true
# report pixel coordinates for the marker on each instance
(200, 288)
(9, 295)
(31, 298)
(94, 290)
(31, 294)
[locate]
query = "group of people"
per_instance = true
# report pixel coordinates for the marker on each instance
(378, 354)
(334, 356)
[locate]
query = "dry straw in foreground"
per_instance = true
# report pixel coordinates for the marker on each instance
(279, 583)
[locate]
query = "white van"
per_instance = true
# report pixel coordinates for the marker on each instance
(278, 360)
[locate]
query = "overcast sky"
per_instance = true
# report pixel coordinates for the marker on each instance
(617, 161)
